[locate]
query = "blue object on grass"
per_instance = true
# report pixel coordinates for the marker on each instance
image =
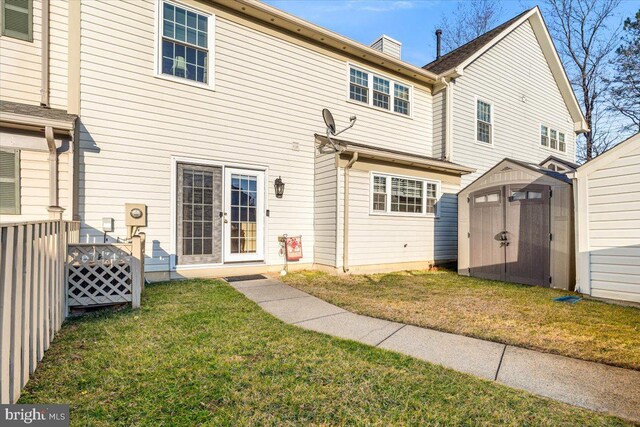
(569, 299)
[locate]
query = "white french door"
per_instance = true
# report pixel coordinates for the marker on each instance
(243, 215)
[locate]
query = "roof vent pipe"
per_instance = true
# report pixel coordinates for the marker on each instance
(438, 44)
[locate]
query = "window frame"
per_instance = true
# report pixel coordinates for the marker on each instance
(16, 182)
(388, 186)
(561, 139)
(211, 25)
(491, 124)
(17, 36)
(392, 85)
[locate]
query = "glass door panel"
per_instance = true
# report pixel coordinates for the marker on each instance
(244, 215)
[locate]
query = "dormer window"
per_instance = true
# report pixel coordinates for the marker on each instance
(379, 91)
(185, 44)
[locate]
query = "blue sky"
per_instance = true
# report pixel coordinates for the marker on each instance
(412, 22)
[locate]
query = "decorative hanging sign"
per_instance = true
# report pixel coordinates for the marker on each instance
(293, 247)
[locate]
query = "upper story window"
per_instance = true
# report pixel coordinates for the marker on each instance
(484, 122)
(379, 91)
(185, 44)
(10, 182)
(400, 195)
(552, 138)
(17, 19)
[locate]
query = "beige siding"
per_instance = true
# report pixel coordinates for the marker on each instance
(34, 186)
(20, 64)
(439, 124)
(614, 228)
(264, 111)
(513, 68)
(387, 239)
(325, 209)
(20, 61)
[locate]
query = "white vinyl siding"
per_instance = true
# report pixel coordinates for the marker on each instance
(265, 109)
(516, 125)
(384, 239)
(613, 205)
(20, 60)
(379, 91)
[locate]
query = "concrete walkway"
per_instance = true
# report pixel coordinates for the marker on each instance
(586, 384)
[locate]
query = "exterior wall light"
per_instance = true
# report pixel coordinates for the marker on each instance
(279, 187)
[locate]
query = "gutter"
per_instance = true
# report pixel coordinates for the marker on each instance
(345, 232)
(44, 56)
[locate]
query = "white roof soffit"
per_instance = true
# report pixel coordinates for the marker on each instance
(21, 121)
(551, 54)
(322, 36)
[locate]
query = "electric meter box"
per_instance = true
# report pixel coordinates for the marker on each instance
(135, 215)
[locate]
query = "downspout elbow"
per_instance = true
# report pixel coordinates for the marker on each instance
(54, 209)
(345, 232)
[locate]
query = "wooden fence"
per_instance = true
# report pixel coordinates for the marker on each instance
(107, 273)
(32, 296)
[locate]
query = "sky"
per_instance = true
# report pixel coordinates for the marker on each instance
(412, 22)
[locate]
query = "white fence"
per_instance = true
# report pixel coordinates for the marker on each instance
(32, 296)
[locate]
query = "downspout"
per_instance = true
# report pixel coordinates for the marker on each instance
(345, 232)
(44, 59)
(448, 133)
(54, 210)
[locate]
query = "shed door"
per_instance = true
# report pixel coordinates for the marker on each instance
(486, 227)
(527, 251)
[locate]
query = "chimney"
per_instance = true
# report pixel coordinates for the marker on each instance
(438, 37)
(386, 44)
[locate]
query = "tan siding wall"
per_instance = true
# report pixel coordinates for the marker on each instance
(381, 239)
(268, 95)
(20, 60)
(20, 64)
(512, 68)
(34, 186)
(325, 209)
(614, 228)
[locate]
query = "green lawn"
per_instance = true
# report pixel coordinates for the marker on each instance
(199, 353)
(514, 314)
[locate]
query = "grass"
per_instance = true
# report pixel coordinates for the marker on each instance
(199, 353)
(503, 312)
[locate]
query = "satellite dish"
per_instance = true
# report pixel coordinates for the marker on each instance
(331, 127)
(329, 121)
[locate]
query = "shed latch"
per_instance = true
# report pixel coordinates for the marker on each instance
(550, 279)
(468, 234)
(550, 236)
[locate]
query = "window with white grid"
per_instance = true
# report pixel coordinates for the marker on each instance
(544, 135)
(185, 44)
(552, 138)
(400, 195)
(359, 86)
(379, 91)
(484, 122)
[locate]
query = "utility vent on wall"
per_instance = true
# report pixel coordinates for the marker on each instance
(386, 44)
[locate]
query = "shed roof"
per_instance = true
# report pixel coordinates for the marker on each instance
(561, 161)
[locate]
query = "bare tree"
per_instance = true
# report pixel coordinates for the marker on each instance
(625, 85)
(470, 20)
(580, 29)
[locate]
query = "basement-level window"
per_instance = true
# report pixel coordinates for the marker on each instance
(9, 182)
(185, 44)
(379, 91)
(403, 196)
(484, 122)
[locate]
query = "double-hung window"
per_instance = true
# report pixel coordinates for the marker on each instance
(185, 44)
(553, 139)
(484, 122)
(379, 91)
(359, 86)
(9, 182)
(400, 195)
(17, 19)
